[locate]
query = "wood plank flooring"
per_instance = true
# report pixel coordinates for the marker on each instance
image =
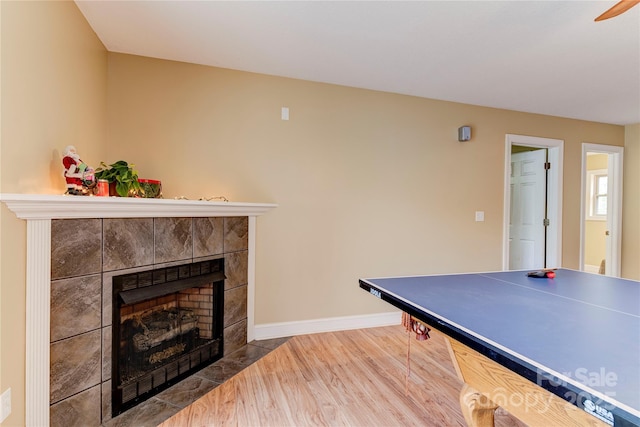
(348, 378)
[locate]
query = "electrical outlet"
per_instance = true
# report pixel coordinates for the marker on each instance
(5, 404)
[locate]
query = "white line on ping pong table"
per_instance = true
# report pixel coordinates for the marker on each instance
(556, 295)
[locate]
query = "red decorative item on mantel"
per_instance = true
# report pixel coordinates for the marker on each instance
(103, 188)
(150, 188)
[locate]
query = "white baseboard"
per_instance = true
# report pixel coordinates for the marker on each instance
(332, 324)
(591, 268)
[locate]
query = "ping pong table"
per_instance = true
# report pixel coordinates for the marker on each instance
(552, 352)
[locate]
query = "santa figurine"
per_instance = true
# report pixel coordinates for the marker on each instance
(79, 175)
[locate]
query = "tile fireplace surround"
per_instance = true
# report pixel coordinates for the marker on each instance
(167, 230)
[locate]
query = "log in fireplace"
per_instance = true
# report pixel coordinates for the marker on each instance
(168, 323)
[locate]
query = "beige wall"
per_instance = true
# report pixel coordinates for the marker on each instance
(597, 161)
(54, 85)
(595, 243)
(368, 183)
(631, 205)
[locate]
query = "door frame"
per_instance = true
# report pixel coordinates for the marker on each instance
(554, 195)
(614, 206)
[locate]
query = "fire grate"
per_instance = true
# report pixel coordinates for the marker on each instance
(167, 324)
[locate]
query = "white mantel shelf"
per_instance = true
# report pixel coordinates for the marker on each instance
(39, 211)
(37, 206)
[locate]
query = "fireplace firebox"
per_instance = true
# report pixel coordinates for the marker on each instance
(168, 323)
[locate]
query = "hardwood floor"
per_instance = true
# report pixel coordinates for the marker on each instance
(349, 378)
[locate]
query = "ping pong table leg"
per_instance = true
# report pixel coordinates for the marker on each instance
(477, 409)
(522, 398)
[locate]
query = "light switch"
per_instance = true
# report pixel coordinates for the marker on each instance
(479, 216)
(285, 113)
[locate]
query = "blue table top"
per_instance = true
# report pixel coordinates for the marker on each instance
(580, 329)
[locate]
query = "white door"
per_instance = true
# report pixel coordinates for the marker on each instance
(555, 152)
(528, 198)
(608, 229)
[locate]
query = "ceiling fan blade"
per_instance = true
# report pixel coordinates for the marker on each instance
(620, 7)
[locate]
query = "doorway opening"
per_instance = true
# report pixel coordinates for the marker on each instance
(601, 209)
(532, 233)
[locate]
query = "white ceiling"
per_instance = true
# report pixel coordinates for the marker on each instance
(546, 57)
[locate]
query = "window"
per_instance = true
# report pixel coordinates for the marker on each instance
(597, 185)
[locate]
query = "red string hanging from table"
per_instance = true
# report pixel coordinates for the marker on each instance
(421, 330)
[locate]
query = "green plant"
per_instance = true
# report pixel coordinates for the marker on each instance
(123, 174)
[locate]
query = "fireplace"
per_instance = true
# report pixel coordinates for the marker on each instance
(149, 262)
(67, 376)
(167, 324)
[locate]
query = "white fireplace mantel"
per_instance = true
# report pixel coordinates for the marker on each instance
(39, 210)
(36, 206)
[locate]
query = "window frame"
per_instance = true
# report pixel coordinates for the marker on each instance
(593, 195)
